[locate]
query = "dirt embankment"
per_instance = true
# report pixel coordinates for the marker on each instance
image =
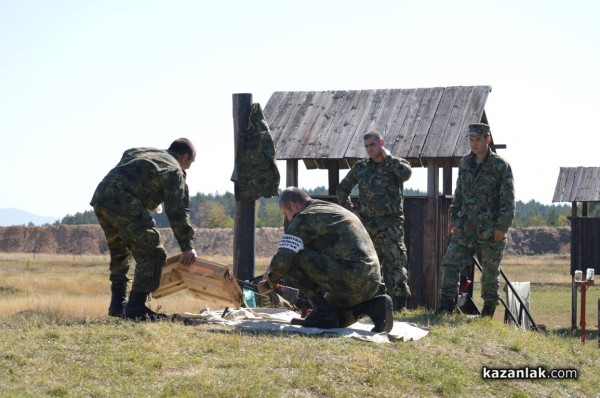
(89, 239)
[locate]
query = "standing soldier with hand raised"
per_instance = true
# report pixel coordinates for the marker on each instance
(380, 179)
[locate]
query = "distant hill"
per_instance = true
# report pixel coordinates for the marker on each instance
(10, 217)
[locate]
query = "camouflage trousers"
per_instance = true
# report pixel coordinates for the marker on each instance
(387, 234)
(136, 237)
(459, 256)
(343, 287)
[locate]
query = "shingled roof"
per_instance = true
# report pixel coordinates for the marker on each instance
(417, 124)
(578, 184)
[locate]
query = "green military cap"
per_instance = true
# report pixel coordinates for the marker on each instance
(480, 129)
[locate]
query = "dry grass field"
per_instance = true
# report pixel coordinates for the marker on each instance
(57, 341)
(78, 286)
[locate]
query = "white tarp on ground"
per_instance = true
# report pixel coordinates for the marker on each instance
(277, 320)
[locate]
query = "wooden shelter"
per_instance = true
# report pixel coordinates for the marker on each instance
(426, 126)
(581, 185)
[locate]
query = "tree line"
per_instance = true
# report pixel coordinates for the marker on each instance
(217, 211)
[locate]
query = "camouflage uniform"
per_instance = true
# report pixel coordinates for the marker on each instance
(380, 205)
(325, 249)
(255, 174)
(484, 200)
(144, 178)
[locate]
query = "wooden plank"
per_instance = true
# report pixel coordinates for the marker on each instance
(334, 140)
(206, 268)
(596, 191)
(440, 131)
(170, 281)
(376, 105)
(208, 288)
(202, 283)
(403, 122)
(420, 118)
(575, 187)
(274, 109)
(169, 288)
(473, 114)
(279, 113)
(282, 129)
(391, 119)
(560, 185)
(350, 136)
(568, 184)
(592, 183)
(582, 190)
(294, 136)
(315, 123)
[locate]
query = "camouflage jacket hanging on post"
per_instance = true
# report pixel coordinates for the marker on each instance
(484, 199)
(255, 174)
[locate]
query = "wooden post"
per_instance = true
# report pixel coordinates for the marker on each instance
(291, 173)
(431, 259)
(244, 222)
(447, 179)
(333, 173)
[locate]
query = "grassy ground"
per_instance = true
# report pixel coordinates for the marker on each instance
(57, 341)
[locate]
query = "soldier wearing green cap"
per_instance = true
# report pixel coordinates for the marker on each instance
(481, 212)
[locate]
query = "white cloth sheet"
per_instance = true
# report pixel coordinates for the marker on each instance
(277, 320)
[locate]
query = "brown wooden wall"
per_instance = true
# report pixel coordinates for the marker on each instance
(426, 238)
(424, 264)
(585, 244)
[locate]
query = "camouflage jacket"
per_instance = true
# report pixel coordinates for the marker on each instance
(484, 198)
(333, 231)
(255, 173)
(380, 186)
(143, 179)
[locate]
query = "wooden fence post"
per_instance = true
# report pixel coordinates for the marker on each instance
(244, 222)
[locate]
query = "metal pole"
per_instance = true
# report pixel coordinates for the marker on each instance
(583, 291)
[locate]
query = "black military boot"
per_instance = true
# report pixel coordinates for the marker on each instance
(381, 311)
(321, 316)
(136, 309)
(400, 304)
(446, 307)
(118, 298)
(489, 307)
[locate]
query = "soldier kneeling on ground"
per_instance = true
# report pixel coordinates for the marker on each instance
(327, 254)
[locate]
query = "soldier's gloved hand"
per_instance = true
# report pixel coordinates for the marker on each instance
(188, 257)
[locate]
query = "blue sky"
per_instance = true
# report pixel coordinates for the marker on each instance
(81, 81)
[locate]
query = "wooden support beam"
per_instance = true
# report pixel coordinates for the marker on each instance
(333, 173)
(447, 179)
(291, 173)
(244, 222)
(431, 257)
